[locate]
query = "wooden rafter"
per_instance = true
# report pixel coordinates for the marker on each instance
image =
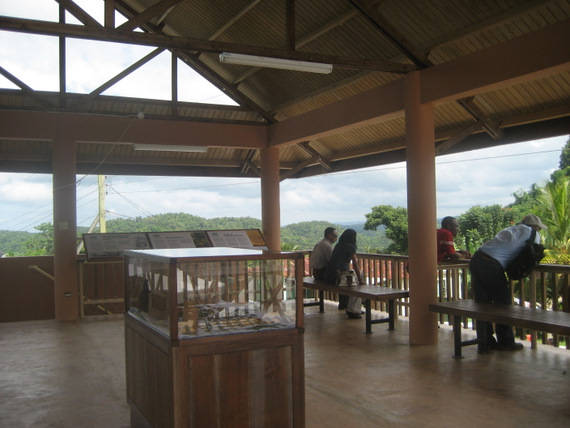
(315, 155)
(169, 42)
(118, 77)
(159, 8)
(25, 88)
(391, 33)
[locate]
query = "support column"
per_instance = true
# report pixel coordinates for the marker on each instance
(65, 229)
(270, 205)
(422, 222)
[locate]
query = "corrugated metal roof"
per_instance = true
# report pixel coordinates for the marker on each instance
(406, 32)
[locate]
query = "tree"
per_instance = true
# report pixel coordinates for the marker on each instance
(480, 224)
(396, 222)
(564, 170)
(40, 244)
(565, 156)
(554, 211)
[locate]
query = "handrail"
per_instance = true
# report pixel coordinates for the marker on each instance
(41, 271)
(547, 288)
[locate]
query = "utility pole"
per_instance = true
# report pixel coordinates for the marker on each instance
(102, 222)
(100, 217)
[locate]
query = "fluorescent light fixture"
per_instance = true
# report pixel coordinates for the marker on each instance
(282, 64)
(169, 148)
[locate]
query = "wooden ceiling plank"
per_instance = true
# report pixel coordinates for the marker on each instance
(234, 19)
(485, 24)
(448, 38)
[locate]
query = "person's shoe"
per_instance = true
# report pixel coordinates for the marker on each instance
(510, 347)
(353, 316)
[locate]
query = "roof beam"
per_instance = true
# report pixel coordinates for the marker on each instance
(447, 82)
(448, 38)
(78, 13)
(541, 53)
(159, 8)
(169, 42)
(391, 33)
(315, 155)
(107, 129)
(118, 77)
(491, 127)
(25, 88)
(191, 59)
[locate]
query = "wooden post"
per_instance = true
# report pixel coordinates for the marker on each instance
(270, 206)
(65, 228)
(420, 156)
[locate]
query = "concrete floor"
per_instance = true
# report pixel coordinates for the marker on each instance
(71, 374)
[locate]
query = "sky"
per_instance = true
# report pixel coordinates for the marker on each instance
(482, 177)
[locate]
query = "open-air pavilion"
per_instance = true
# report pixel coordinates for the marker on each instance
(410, 80)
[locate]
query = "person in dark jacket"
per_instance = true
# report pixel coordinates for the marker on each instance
(343, 256)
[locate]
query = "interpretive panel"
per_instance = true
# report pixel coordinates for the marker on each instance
(235, 238)
(160, 240)
(109, 245)
(103, 245)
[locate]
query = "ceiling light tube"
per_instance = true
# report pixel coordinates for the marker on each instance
(282, 64)
(170, 148)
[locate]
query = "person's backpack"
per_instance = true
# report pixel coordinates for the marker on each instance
(526, 260)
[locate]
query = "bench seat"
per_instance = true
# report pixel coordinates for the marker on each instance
(367, 292)
(554, 322)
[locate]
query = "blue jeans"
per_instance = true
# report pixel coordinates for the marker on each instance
(490, 285)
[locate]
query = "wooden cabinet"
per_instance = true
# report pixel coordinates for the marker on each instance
(214, 338)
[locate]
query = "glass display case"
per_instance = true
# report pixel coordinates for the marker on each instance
(193, 293)
(185, 306)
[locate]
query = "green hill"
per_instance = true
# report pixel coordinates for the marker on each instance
(301, 236)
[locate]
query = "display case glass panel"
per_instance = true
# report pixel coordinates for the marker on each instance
(217, 290)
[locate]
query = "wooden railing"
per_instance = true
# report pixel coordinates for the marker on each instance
(547, 288)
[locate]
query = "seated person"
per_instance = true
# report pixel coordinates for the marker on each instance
(322, 253)
(343, 255)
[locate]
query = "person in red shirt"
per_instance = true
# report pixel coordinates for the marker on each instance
(445, 246)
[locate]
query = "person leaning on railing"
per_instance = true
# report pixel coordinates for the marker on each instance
(445, 245)
(489, 280)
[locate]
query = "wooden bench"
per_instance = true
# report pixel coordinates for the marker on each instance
(366, 292)
(519, 316)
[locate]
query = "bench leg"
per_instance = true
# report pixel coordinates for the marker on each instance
(321, 301)
(457, 336)
(391, 307)
(368, 307)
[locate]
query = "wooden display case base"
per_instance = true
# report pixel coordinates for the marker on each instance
(236, 380)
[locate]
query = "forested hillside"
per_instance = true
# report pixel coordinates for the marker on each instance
(298, 236)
